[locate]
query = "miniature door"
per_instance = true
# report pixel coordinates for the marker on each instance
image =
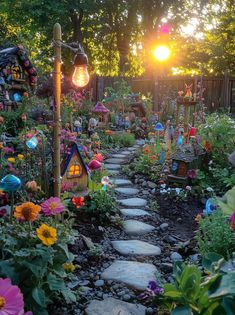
(182, 169)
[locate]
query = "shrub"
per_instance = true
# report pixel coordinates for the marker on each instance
(215, 235)
(124, 139)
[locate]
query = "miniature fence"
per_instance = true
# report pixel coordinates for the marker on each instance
(219, 91)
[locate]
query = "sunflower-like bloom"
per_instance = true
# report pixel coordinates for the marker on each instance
(28, 211)
(46, 234)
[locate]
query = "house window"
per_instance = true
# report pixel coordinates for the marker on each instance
(75, 170)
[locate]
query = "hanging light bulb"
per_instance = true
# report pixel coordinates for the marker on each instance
(80, 76)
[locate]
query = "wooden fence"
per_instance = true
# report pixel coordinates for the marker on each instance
(219, 91)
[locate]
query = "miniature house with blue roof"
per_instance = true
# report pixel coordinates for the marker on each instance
(74, 171)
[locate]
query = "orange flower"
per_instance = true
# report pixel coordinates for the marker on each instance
(146, 150)
(208, 146)
(153, 158)
(109, 132)
(78, 202)
(28, 211)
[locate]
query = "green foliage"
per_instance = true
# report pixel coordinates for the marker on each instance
(100, 204)
(124, 139)
(37, 269)
(215, 235)
(227, 205)
(195, 294)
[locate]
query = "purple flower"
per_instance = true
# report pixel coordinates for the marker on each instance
(192, 174)
(152, 290)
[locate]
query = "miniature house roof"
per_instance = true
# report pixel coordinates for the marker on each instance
(188, 152)
(74, 150)
(100, 108)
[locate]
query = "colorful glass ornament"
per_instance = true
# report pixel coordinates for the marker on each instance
(32, 143)
(10, 183)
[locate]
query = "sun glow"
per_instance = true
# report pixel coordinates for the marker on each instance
(162, 53)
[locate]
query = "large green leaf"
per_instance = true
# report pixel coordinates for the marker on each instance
(39, 296)
(226, 287)
(229, 305)
(228, 207)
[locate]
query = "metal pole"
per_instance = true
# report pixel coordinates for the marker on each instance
(57, 118)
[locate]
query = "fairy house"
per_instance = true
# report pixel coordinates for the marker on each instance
(74, 171)
(187, 156)
(17, 75)
(102, 112)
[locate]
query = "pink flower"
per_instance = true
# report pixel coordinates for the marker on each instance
(232, 219)
(52, 206)
(192, 174)
(99, 157)
(11, 299)
(94, 165)
(7, 150)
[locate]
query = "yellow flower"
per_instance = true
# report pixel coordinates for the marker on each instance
(27, 211)
(11, 159)
(47, 234)
(69, 267)
(20, 157)
(1, 145)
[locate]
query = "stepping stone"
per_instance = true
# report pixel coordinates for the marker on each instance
(121, 182)
(114, 161)
(133, 202)
(131, 149)
(134, 212)
(112, 166)
(119, 156)
(135, 247)
(127, 191)
(135, 274)
(111, 306)
(125, 153)
(134, 227)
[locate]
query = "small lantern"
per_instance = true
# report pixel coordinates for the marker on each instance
(192, 132)
(80, 76)
(159, 127)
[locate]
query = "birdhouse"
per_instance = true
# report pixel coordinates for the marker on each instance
(17, 74)
(74, 171)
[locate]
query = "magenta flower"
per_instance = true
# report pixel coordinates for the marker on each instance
(11, 299)
(52, 206)
(232, 219)
(94, 165)
(192, 174)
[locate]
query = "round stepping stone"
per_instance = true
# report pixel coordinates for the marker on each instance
(133, 202)
(114, 161)
(111, 306)
(121, 182)
(135, 274)
(119, 156)
(112, 166)
(127, 191)
(134, 212)
(134, 227)
(135, 247)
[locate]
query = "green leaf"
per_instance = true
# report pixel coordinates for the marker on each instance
(55, 283)
(226, 286)
(182, 311)
(39, 296)
(173, 294)
(229, 305)
(69, 296)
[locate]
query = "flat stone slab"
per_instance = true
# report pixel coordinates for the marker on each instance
(125, 152)
(134, 274)
(133, 202)
(121, 182)
(127, 191)
(135, 247)
(132, 149)
(112, 166)
(111, 306)
(134, 212)
(134, 227)
(119, 156)
(114, 161)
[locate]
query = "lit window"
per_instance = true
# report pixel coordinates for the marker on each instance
(74, 170)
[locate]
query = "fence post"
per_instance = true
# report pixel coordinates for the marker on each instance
(156, 94)
(225, 91)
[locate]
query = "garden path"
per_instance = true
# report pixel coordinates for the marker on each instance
(132, 273)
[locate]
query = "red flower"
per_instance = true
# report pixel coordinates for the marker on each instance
(78, 202)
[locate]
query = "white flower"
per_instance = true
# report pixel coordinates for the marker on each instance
(210, 162)
(163, 186)
(210, 189)
(189, 188)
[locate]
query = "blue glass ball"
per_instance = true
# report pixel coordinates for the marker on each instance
(159, 127)
(32, 143)
(10, 183)
(180, 140)
(17, 97)
(210, 205)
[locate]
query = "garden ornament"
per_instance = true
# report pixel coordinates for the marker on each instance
(188, 90)
(105, 181)
(32, 143)
(210, 206)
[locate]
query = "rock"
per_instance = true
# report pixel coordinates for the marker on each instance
(134, 227)
(134, 274)
(126, 297)
(112, 166)
(99, 283)
(119, 156)
(134, 212)
(136, 247)
(153, 191)
(149, 311)
(88, 242)
(125, 153)
(111, 306)
(164, 226)
(121, 182)
(127, 191)
(176, 256)
(145, 192)
(144, 183)
(133, 202)
(151, 185)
